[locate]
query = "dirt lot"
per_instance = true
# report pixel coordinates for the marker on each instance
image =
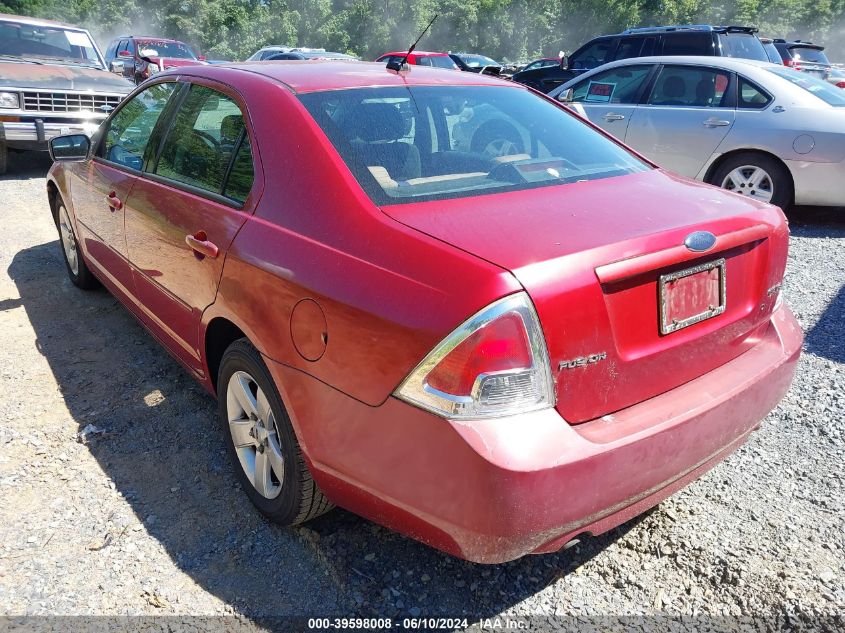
(145, 517)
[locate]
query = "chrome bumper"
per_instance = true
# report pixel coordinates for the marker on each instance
(42, 131)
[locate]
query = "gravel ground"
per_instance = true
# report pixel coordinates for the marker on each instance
(145, 517)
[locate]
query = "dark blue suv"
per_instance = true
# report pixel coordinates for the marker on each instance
(697, 39)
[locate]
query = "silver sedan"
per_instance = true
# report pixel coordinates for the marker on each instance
(759, 129)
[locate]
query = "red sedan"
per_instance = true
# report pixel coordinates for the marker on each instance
(441, 301)
(420, 58)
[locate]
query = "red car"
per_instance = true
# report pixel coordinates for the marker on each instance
(492, 349)
(421, 58)
(138, 58)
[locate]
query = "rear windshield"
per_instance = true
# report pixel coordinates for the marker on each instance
(477, 61)
(408, 144)
(813, 55)
(744, 45)
(824, 90)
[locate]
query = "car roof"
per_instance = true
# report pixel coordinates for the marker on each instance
(37, 21)
(320, 75)
(417, 53)
(729, 63)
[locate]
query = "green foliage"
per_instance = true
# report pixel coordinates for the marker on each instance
(505, 29)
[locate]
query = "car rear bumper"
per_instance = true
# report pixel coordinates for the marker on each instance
(494, 490)
(35, 134)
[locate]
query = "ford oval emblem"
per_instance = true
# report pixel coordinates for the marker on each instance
(700, 241)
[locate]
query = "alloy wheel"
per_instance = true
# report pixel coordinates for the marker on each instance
(255, 434)
(751, 181)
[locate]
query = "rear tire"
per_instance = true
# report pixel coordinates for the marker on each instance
(77, 269)
(756, 176)
(260, 440)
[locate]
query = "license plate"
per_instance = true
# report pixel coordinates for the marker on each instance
(692, 295)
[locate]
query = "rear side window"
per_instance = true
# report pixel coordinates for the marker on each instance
(628, 48)
(687, 44)
(203, 138)
(751, 97)
(242, 174)
(129, 131)
(743, 45)
(618, 85)
(442, 62)
(690, 86)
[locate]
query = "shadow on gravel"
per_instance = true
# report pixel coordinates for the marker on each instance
(27, 165)
(827, 337)
(162, 449)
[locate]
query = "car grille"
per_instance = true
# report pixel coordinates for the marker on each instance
(68, 102)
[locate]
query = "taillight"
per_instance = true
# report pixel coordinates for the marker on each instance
(494, 364)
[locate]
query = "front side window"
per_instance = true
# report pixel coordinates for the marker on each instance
(618, 85)
(128, 134)
(593, 56)
(407, 144)
(690, 86)
(206, 132)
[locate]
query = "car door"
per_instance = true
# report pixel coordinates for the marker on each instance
(185, 211)
(610, 97)
(103, 184)
(689, 112)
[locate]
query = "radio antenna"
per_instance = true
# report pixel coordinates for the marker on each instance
(397, 65)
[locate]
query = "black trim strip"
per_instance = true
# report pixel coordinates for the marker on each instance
(232, 161)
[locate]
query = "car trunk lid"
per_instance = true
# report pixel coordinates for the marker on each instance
(591, 256)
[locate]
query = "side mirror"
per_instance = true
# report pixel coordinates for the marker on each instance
(69, 148)
(116, 67)
(564, 62)
(124, 54)
(565, 96)
(201, 58)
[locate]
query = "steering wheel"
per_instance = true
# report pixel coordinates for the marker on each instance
(496, 138)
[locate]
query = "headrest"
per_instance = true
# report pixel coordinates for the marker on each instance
(378, 122)
(705, 90)
(230, 127)
(674, 87)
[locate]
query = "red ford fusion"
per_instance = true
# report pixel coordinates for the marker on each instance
(441, 301)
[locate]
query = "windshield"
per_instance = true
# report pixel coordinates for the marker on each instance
(158, 48)
(476, 61)
(47, 43)
(744, 45)
(825, 91)
(428, 143)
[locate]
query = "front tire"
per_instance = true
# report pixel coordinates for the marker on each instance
(756, 176)
(260, 440)
(77, 269)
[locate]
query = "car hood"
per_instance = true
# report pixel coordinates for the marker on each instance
(61, 77)
(176, 62)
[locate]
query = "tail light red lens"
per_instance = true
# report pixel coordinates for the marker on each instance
(494, 364)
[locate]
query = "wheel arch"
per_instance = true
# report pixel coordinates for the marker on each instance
(714, 166)
(219, 334)
(52, 195)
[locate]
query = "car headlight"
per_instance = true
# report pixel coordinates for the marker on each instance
(9, 100)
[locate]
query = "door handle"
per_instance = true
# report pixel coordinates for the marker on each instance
(714, 122)
(610, 116)
(113, 201)
(199, 244)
